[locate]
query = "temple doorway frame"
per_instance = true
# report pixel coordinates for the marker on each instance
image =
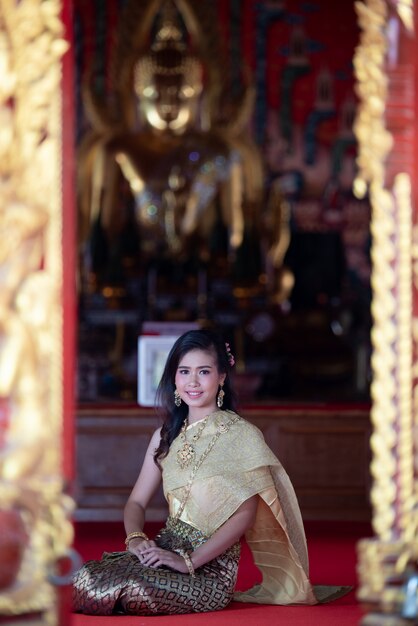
(386, 69)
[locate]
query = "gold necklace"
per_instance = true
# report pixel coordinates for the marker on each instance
(221, 429)
(187, 453)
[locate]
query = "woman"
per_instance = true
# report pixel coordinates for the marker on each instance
(221, 482)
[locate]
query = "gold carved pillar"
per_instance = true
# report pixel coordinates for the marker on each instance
(35, 531)
(386, 127)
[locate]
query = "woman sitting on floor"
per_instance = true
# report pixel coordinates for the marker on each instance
(221, 482)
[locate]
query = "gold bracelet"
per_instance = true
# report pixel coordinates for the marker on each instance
(137, 534)
(188, 562)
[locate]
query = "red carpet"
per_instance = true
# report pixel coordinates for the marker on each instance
(332, 550)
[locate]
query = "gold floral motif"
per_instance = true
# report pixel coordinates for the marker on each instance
(31, 47)
(187, 453)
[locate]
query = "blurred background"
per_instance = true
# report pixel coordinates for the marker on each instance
(216, 157)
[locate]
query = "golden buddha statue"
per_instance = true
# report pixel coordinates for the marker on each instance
(184, 166)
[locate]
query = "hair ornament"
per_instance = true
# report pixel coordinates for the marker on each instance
(230, 356)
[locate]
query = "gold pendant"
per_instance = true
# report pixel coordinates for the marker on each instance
(186, 455)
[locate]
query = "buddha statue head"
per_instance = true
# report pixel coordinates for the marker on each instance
(168, 79)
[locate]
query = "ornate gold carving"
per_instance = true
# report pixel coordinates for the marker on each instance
(405, 9)
(31, 485)
(403, 193)
(374, 141)
(386, 562)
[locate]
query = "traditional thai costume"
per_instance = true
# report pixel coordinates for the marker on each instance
(231, 463)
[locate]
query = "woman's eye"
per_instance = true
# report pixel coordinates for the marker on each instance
(184, 371)
(204, 371)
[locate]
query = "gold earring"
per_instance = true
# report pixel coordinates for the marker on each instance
(220, 398)
(177, 399)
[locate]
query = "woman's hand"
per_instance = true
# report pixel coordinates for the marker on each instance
(154, 556)
(137, 546)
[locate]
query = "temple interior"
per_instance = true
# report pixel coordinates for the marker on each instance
(215, 162)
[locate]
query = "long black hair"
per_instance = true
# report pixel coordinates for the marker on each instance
(174, 416)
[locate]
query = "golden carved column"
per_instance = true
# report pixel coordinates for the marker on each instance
(35, 531)
(385, 66)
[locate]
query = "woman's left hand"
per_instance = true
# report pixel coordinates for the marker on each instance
(155, 556)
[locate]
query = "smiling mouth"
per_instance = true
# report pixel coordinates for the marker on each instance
(194, 394)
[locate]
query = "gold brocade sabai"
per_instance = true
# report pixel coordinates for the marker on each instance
(240, 466)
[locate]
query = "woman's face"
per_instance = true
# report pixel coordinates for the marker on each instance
(197, 381)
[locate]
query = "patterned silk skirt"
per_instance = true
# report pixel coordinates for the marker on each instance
(120, 584)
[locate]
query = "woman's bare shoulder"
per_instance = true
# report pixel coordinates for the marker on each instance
(155, 440)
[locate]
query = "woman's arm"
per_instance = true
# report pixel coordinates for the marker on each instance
(146, 485)
(228, 534)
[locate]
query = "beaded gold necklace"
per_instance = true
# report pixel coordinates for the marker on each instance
(221, 429)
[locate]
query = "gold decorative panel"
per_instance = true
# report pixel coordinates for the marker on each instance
(385, 71)
(35, 531)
